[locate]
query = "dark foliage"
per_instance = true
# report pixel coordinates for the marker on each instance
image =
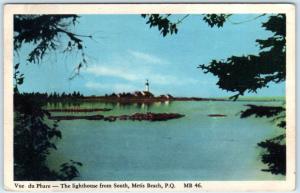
(18, 78)
(69, 170)
(33, 138)
(282, 124)
(215, 19)
(44, 31)
(249, 73)
(33, 141)
(262, 111)
(52, 97)
(257, 71)
(252, 72)
(277, 113)
(164, 25)
(274, 155)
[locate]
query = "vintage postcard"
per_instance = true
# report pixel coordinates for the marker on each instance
(149, 97)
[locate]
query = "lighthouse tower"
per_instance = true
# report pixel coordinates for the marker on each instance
(147, 86)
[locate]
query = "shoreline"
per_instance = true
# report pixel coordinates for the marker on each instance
(160, 99)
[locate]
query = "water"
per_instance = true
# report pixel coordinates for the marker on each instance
(195, 147)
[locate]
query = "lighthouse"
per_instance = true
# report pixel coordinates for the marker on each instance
(147, 86)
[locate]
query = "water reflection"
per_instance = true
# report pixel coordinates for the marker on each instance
(147, 147)
(64, 104)
(147, 106)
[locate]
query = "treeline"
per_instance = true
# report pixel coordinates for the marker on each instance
(54, 96)
(140, 94)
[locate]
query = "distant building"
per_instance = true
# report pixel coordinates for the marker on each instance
(167, 96)
(147, 94)
(137, 94)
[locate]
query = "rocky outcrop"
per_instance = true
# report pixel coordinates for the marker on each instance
(77, 110)
(133, 117)
(70, 117)
(150, 116)
(217, 115)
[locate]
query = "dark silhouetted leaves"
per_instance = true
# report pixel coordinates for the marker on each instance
(18, 78)
(164, 25)
(252, 72)
(44, 33)
(282, 124)
(249, 73)
(33, 138)
(274, 155)
(215, 19)
(262, 111)
(16, 66)
(69, 170)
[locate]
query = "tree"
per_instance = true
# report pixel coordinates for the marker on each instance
(257, 70)
(275, 148)
(166, 26)
(33, 138)
(241, 74)
(44, 31)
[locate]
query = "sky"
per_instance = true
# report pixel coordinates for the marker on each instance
(125, 51)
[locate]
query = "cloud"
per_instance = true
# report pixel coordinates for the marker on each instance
(169, 79)
(138, 75)
(147, 58)
(112, 87)
(119, 72)
(123, 72)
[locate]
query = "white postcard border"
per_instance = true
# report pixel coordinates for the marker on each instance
(288, 9)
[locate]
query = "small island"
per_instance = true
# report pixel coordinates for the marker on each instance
(133, 117)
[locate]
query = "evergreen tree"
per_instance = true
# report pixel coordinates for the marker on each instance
(241, 74)
(32, 136)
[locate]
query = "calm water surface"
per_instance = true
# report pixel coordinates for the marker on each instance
(195, 147)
